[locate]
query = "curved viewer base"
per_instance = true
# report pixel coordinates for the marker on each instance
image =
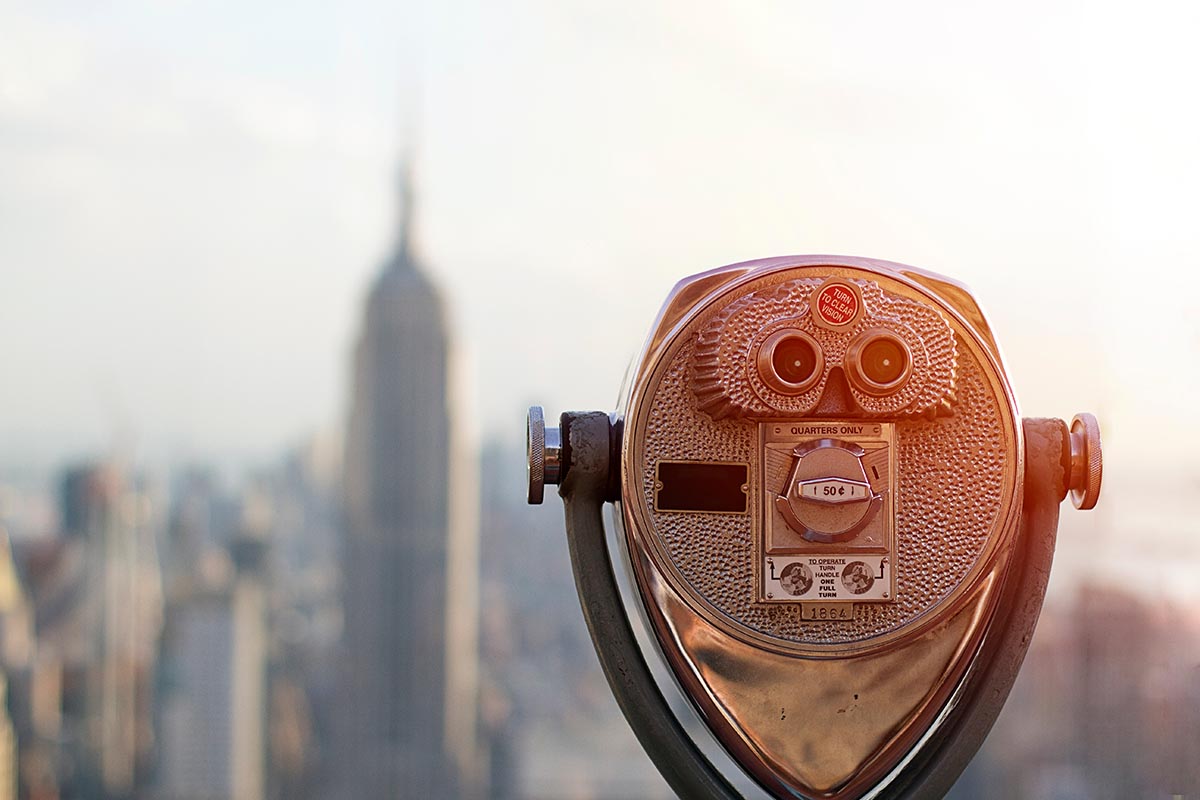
(589, 447)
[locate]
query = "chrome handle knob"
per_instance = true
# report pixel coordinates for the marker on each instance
(1087, 465)
(543, 451)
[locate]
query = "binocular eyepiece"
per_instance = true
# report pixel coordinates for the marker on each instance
(834, 517)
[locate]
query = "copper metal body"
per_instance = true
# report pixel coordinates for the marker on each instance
(822, 705)
(822, 490)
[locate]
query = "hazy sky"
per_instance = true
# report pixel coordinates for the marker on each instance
(195, 196)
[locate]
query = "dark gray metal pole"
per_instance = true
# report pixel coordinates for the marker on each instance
(586, 439)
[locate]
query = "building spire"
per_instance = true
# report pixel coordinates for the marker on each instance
(404, 260)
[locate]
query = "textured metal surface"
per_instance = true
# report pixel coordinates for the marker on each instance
(731, 340)
(1086, 461)
(953, 469)
(535, 456)
(943, 522)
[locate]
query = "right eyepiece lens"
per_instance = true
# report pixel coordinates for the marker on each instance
(883, 361)
(880, 362)
(790, 362)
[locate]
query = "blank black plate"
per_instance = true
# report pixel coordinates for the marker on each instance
(701, 486)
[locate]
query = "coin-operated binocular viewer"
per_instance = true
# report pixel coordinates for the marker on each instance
(838, 527)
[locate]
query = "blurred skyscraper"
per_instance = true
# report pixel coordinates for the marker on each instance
(407, 693)
(99, 615)
(251, 622)
(15, 659)
(213, 702)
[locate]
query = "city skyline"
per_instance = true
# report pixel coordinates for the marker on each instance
(648, 152)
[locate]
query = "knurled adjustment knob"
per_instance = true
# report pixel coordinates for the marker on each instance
(543, 451)
(1087, 466)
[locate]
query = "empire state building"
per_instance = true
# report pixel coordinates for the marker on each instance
(404, 717)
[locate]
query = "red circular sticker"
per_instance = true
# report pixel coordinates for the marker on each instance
(837, 304)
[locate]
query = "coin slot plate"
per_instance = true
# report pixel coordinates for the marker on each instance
(794, 569)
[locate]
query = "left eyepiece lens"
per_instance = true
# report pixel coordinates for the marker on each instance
(790, 362)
